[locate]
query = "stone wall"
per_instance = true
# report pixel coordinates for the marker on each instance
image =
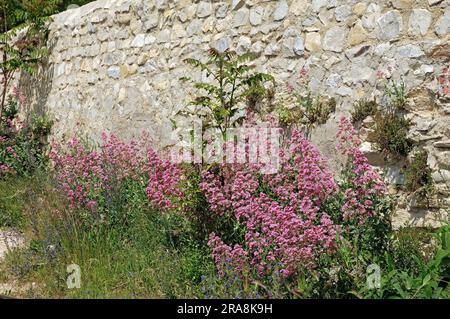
(115, 64)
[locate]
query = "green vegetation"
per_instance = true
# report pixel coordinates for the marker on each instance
(234, 84)
(363, 109)
(418, 175)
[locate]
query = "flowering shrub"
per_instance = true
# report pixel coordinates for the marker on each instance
(285, 215)
(363, 182)
(285, 226)
(88, 177)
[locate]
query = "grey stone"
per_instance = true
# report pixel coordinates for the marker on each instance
(222, 10)
(272, 49)
(334, 80)
(373, 12)
(434, 2)
(441, 175)
(243, 45)
(237, 4)
(389, 25)
(152, 22)
(343, 12)
(163, 36)
(293, 43)
(204, 9)
(150, 39)
(114, 72)
(194, 27)
(91, 28)
(423, 124)
(360, 73)
(373, 156)
(241, 17)
(257, 47)
(394, 175)
(222, 44)
(334, 39)
(92, 78)
(138, 41)
(443, 24)
(256, 15)
(344, 91)
(161, 4)
(281, 10)
(318, 4)
(419, 21)
(442, 144)
(410, 51)
(424, 69)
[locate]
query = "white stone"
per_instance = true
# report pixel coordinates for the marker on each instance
(419, 21)
(114, 72)
(334, 80)
(318, 4)
(443, 24)
(138, 41)
(222, 44)
(424, 70)
(163, 36)
(150, 39)
(281, 10)
(441, 175)
(292, 43)
(389, 25)
(410, 51)
(241, 17)
(256, 15)
(243, 45)
(299, 7)
(237, 4)
(194, 27)
(334, 39)
(382, 48)
(151, 22)
(272, 49)
(434, 2)
(373, 12)
(344, 91)
(343, 12)
(204, 9)
(222, 10)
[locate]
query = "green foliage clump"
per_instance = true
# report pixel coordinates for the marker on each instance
(391, 134)
(306, 110)
(23, 148)
(364, 108)
(396, 94)
(418, 174)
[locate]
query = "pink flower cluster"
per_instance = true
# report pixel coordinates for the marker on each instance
(19, 96)
(285, 225)
(80, 173)
(365, 182)
(86, 175)
(163, 181)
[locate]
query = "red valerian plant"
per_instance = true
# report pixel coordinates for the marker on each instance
(86, 175)
(285, 225)
(364, 183)
(284, 214)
